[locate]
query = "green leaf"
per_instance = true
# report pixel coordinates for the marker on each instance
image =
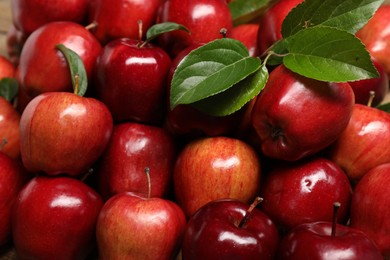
(160, 28)
(244, 11)
(77, 70)
(276, 53)
(385, 107)
(235, 97)
(328, 54)
(211, 69)
(348, 15)
(9, 88)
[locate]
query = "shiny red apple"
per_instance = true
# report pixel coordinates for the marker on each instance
(9, 129)
(247, 34)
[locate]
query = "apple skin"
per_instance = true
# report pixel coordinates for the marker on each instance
(213, 168)
(43, 67)
(9, 129)
(213, 232)
(380, 86)
(134, 227)
(133, 147)
(369, 207)
(247, 34)
(55, 214)
(290, 118)
(364, 144)
(203, 18)
(375, 35)
(119, 18)
(12, 179)
(314, 241)
(61, 132)
(304, 191)
(124, 84)
(7, 68)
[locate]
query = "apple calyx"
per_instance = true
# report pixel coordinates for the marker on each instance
(336, 207)
(147, 172)
(247, 215)
(3, 143)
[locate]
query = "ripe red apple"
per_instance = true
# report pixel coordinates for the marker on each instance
(214, 168)
(375, 35)
(295, 116)
(271, 23)
(62, 132)
(226, 229)
(7, 68)
(131, 149)
(119, 18)
(12, 179)
(370, 209)
(29, 15)
(43, 67)
(9, 129)
(55, 218)
(380, 87)
(364, 143)
(304, 191)
(131, 80)
(134, 227)
(203, 18)
(247, 34)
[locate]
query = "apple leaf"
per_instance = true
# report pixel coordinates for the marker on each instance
(9, 88)
(244, 11)
(160, 28)
(77, 70)
(348, 15)
(235, 97)
(328, 54)
(385, 107)
(211, 69)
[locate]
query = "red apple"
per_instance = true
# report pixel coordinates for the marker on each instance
(214, 168)
(376, 36)
(247, 34)
(203, 18)
(131, 80)
(9, 129)
(133, 147)
(15, 39)
(119, 18)
(12, 179)
(43, 67)
(370, 209)
(62, 132)
(134, 227)
(29, 15)
(364, 144)
(7, 68)
(295, 116)
(55, 218)
(304, 191)
(225, 229)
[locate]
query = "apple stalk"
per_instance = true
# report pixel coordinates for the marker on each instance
(247, 215)
(336, 207)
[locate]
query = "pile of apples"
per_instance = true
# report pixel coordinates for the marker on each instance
(300, 172)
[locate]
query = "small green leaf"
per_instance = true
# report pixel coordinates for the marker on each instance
(348, 15)
(244, 11)
(77, 70)
(328, 54)
(385, 107)
(211, 69)
(160, 28)
(9, 88)
(235, 97)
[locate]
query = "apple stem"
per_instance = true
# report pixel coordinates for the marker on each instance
(249, 211)
(91, 26)
(76, 84)
(371, 98)
(3, 143)
(86, 175)
(140, 29)
(336, 207)
(147, 172)
(223, 31)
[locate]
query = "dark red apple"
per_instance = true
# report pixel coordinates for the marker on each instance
(55, 218)
(214, 168)
(131, 80)
(304, 191)
(43, 67)
(62, 132)
(203, 18)
(9, 129)
(134, 227)
(131, 149)
(295, 116)
(119, 18)
(247, 34)
(217, 231)
(370, 209)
